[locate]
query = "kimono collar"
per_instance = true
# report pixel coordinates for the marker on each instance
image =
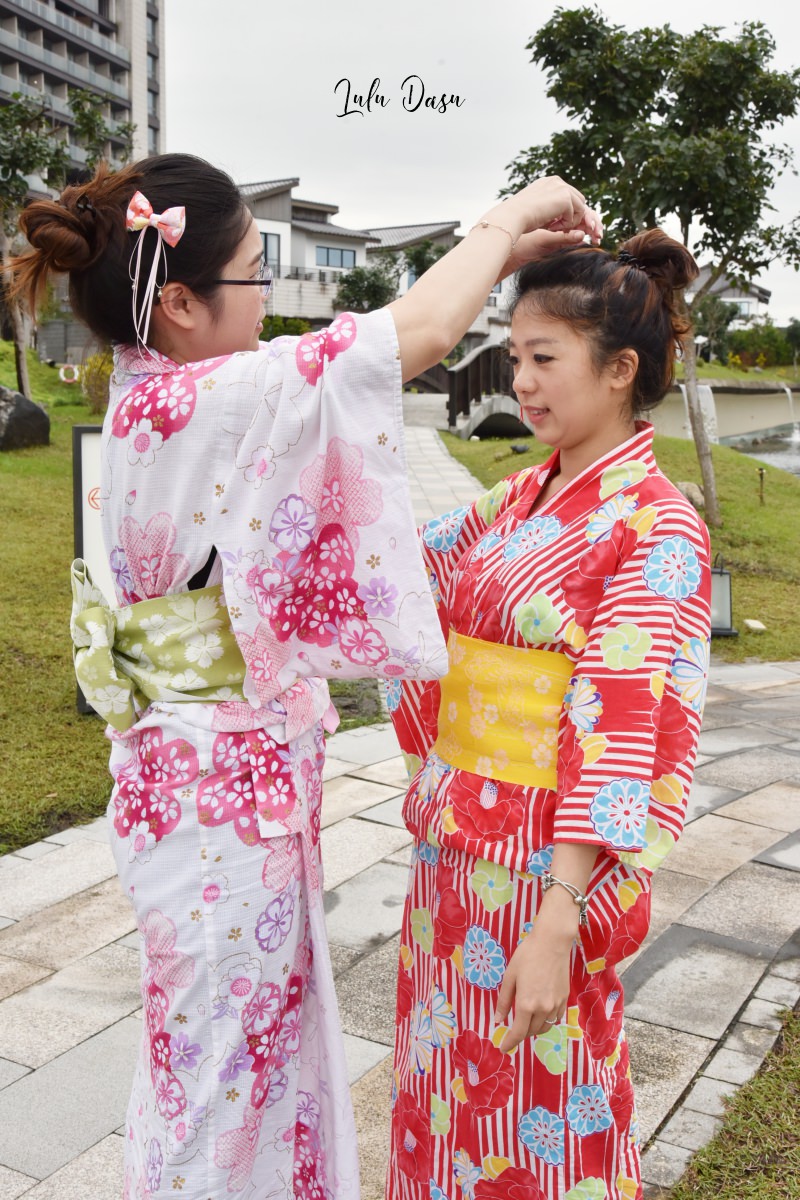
(132, 360)
(638, 448)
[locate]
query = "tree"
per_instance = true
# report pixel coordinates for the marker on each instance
(366, 288)
(669, 125)
(418, 259)
(792, 336)
(32, 144)
(711, 318)
(28, 146)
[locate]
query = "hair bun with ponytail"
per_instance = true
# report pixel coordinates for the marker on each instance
(667, 262)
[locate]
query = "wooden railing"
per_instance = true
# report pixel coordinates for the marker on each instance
(485, 371)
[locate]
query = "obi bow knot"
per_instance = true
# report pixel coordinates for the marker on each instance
(170, 224)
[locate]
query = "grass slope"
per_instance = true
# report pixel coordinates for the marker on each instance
(759, 543)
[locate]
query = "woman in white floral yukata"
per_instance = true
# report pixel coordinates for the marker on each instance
(258, 525)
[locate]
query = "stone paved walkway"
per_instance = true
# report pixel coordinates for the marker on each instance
(702, 996)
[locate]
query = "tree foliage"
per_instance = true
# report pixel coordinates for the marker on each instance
(420, 258)
(366, 288)
(668, 125)
(712, 317)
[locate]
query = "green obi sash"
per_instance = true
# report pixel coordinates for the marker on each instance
(179, 647)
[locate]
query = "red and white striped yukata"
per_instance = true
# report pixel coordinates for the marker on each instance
(613, 573)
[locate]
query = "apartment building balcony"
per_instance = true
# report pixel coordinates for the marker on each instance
(65, 69)
(57, 23)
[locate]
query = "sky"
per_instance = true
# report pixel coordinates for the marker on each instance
(251, 85)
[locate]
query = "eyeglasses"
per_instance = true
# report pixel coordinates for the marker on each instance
(262, 279)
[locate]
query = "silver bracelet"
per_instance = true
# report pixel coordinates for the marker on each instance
(502, 228)
(580, 899)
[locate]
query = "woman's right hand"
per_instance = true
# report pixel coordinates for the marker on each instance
(547, 203)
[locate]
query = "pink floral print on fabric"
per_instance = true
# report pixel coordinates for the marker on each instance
(336, 489)
(146, 803)
(313, 349)
(143, 564)
(167, 971)
(156, 408)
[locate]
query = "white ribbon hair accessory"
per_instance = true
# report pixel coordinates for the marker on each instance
(169, 226)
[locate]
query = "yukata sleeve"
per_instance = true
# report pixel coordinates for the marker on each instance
(414, 704)
(315, 528)
(632, 714)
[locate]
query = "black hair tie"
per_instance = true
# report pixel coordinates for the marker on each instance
(84, 204)
(630, 260)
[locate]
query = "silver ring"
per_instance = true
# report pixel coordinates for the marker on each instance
(555, 1022)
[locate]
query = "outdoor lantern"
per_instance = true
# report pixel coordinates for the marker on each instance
(721, 608)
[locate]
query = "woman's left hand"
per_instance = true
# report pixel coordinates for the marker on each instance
(536, 982)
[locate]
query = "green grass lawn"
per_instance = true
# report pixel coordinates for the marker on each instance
(710, 371)
(760, 544)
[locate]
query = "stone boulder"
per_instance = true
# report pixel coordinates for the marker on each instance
(693, 493)
(22, 423)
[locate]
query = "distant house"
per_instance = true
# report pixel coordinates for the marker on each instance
(751, 299)
(306, 251)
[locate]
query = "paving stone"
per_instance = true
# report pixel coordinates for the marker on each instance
(132, 940)
(367, 910)
(694, 981)
(732, 739)
(763, 1013)
(704, 797)
(371, 1097)
(690, 1129)
(756, 904)
(776, 806)
(16, 975)
(35, 850)
(778, 990)
(390, 812)
(97, 1173)
(749, 1039)
(5, 922)
(663, 1164)
(12, 1184)
(76, 833)
(751, 769)
(72, 929)
(368, 993)
(350, 846)
(784, 854)
(59, 1012)
(100, 1068)
(787, 969)
(673, 894)
(707, 1096)
(392, 771)
(750, 676)
(10, 1072)
(713, 846)
(342, 957)
(663, 1064)
(732, 1066)
(362, 1056)
(334, 767)
(346, 796)
(55, 877)
(402, 856)
(369, 744)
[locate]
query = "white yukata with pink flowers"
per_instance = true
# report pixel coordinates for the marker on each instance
(287, 462)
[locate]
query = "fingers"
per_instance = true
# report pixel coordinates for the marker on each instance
(505, 997)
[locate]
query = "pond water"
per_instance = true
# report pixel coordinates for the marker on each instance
(778, 447)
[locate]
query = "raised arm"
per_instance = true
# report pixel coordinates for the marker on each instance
(442, 305)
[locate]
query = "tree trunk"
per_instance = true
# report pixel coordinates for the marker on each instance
(17, 323)
(699, 432)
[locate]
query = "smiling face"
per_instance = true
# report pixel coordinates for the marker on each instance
(573, 406)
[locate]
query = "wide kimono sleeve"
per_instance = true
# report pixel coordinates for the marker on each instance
(414, 705)
(313, 521)
(632, 715)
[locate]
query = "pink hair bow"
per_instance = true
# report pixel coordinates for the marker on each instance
(169, 226)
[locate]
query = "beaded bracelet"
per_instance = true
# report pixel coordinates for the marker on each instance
(580, 899)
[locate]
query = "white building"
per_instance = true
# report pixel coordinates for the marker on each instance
(114, 48)
(751, 299)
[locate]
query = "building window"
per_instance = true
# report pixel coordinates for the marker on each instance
(272, 251)
(152, 104)
(152, 140)
(334, 256)
(152, 67)
(152, 29)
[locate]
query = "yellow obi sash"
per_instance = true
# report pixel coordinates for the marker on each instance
(179, 647)
(500, 709)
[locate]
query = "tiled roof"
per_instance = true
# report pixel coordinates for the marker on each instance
(360, 235)
(267, 188)
(395, 237)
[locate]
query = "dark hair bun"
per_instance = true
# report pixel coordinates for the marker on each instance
(64, 237)
(668, 263)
